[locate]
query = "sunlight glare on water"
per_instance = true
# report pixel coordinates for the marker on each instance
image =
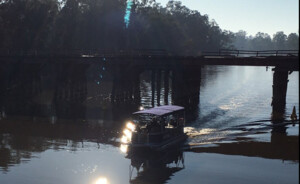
(194, 132)
(102, 180)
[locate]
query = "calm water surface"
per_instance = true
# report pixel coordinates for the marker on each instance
(231, 140)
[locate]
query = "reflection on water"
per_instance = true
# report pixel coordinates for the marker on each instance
(155, 167)
(73, 127)
(281, 146)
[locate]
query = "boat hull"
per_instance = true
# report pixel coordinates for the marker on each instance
(171, 142)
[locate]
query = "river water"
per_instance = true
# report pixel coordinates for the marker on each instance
(231, 139)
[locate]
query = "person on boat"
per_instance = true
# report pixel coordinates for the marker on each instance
(138, 128)
(173, 122)
(154, 126)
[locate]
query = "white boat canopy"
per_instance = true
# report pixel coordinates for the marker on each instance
(161, 110)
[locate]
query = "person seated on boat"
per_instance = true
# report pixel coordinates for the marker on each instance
(181, 122)
(148, 127)
(138, 128)
(173, 122)
(153, 126)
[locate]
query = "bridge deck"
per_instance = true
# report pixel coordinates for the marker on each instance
(158, 58)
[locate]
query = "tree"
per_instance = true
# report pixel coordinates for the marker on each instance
(292, 41)
(27, 24)
(261, 41)
(240, 40)
(99, 24)
(279, 40)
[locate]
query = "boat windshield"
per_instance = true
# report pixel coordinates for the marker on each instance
(167, 116)
(143, 119)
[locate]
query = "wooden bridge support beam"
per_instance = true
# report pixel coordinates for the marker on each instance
(280, 82)
(126, 86)
(70, 90)
(153, 76)
(115, 73)
(166, 86)
(177, 86)
(136, 88)
(21, 87)
(186, 86)
(158, 86)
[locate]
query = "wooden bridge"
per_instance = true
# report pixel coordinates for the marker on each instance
(68, 72)
(287, 59)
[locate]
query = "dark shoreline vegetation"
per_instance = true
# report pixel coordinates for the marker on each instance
(99, 24)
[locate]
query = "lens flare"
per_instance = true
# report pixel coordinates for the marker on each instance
(130, 126)
(124, 139)
(124, 148)
(128, 12)
(127, 133)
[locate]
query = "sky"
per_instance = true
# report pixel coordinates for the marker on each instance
(252, 16)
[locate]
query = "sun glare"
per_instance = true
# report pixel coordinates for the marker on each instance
(102, 180)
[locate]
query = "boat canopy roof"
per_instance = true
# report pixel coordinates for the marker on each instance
(161, 110)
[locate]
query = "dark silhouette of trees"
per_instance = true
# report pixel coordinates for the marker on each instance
(263, 41)
(292, 41)
(279, 40)
(27, 24)
(241, 41)
(99, 24)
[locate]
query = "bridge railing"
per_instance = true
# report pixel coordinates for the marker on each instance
(251, 53)
(140, 53)
(84, 53)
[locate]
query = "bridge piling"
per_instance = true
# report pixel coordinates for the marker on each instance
(153, 87)
(158, 86)
(136, 90)
(280, 82)
(166, 87)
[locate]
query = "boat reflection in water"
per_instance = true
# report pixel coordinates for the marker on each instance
(155, 166)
